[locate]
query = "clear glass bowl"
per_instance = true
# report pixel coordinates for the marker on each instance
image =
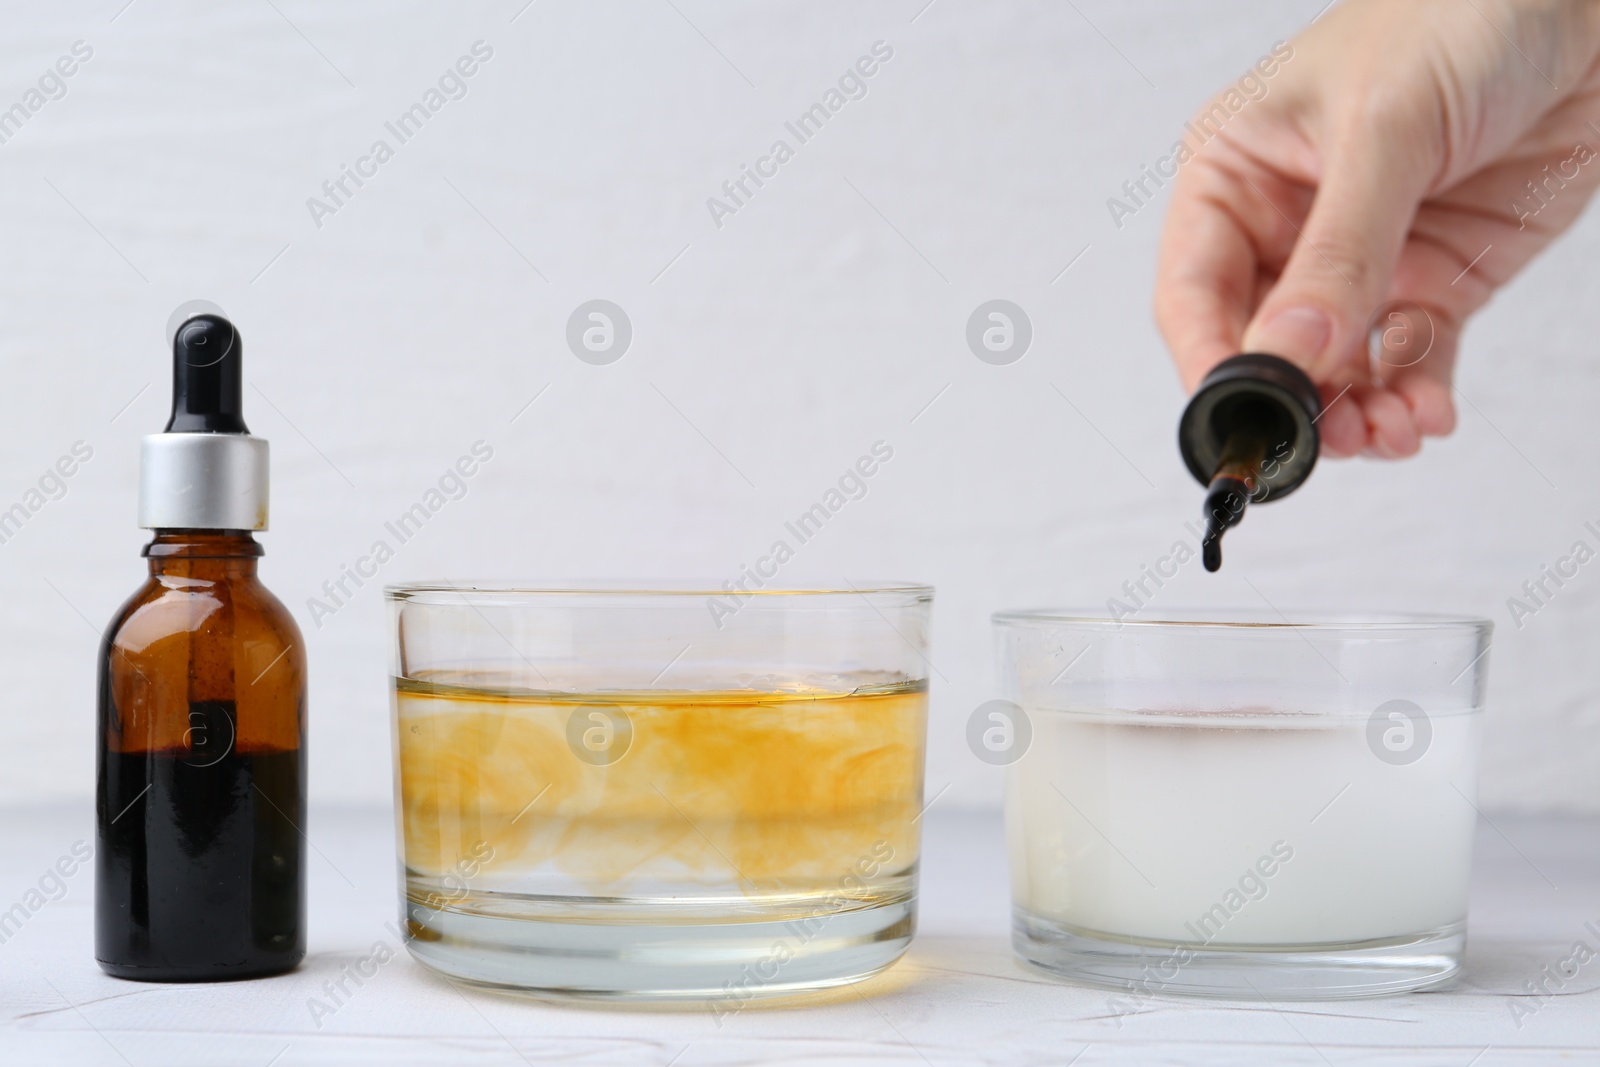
(1242, 805)
(659, 792)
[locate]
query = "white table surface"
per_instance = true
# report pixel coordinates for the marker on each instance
(957, 998)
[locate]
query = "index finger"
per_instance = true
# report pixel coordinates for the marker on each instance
(1207, 273)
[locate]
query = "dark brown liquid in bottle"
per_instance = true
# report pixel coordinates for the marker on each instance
(200, 864)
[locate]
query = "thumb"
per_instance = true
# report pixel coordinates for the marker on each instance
(1318, 313)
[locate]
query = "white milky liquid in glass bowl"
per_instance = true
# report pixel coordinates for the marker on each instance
(1249, 829)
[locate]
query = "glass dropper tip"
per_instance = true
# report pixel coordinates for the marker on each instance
(1224, 507)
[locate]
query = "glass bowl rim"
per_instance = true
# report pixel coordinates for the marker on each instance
(1191, 620)
(446, 591)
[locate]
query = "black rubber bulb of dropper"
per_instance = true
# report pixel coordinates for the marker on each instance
(207, 377)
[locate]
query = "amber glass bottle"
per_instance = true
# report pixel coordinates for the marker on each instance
(200, 864)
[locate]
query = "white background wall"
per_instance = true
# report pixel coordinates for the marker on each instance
(823, 316)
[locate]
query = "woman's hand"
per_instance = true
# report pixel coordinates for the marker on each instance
(1383, 182)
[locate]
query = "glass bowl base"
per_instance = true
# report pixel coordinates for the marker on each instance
(725, 964)
(1139, 970)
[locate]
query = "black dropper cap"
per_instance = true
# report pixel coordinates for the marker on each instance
(206, 471)
(207, 377)
(1249, 435)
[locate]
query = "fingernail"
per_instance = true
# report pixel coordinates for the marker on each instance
(1298, 334)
